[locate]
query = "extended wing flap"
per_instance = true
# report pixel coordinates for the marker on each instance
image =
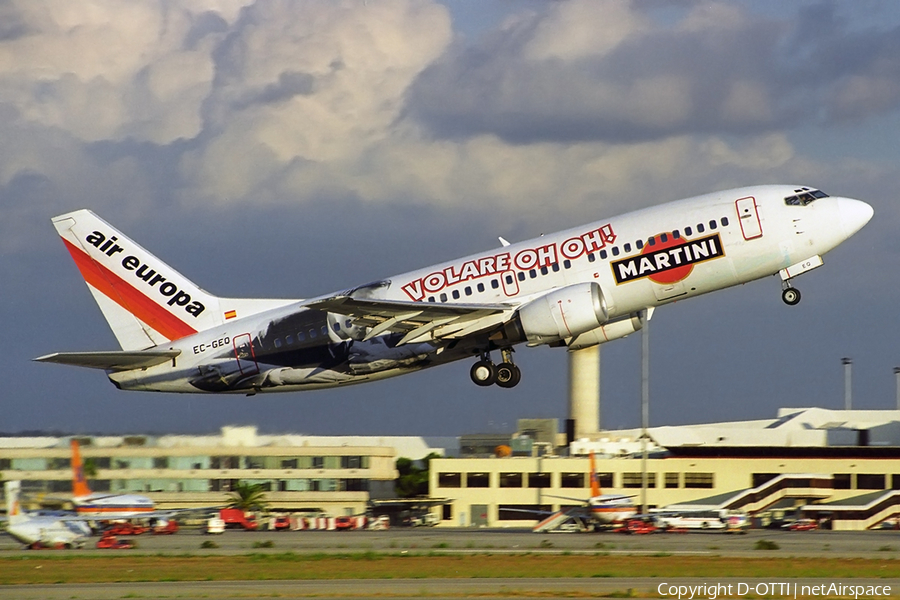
(113, 360)
(416, 320)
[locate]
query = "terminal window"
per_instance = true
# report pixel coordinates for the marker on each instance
(842, 481)
(449, 480)
(869, 481)
(539, 480)
(895, 481)
(671, 480)
(478, 480)
(572, 480)
(633, 480)
(514, 480)
(699, 480)
(519, 512)
(605, 480)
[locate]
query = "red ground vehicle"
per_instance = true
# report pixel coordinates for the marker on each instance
(281, 523)
(803, 525)
(46, 546)
(126, 529)
(111, 542)
(344, 523)
(236, 518)
(639, 527)
(167, 528)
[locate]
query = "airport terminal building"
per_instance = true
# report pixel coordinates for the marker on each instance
(824, 460)
(337, 475)
(841, 466)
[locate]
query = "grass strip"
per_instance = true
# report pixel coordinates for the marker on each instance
(47, 568)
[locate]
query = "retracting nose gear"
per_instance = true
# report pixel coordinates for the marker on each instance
(789, 294)
(506, 374)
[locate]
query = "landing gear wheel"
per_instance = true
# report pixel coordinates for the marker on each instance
(508, 375)
(483, 373)
(790, 296)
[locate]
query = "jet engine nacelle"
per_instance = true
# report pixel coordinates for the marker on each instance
(563, 314)
(606, 333)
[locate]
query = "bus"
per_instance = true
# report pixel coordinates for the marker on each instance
(720, 519)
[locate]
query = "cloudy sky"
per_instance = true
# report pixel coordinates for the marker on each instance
(282, 148)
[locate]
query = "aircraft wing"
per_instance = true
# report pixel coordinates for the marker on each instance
(113, 360)
(418, 321)
(168, 513)
(606, 497)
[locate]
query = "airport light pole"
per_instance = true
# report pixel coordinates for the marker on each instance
(645, 402)
(897, 376)
(848, 391)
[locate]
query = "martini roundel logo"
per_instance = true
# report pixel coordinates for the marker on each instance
(665, 259)
(673, 274)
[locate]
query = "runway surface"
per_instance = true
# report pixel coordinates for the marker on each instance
(864, 544)
(857, 544)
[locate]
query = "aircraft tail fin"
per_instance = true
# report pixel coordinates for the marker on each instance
(14, 512)
(595, 481)
(80, 487)
(145, 301)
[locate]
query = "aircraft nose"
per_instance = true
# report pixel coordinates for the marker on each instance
(854, 215)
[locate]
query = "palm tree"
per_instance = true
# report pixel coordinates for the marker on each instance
(248, 496)
(89, 468)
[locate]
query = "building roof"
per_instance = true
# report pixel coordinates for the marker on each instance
(792, 428)
(231, 437)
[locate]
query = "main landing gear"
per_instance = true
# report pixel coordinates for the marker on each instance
(789, 294)
(485, 372)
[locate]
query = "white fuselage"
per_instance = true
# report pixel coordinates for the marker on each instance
(640, 260)
(608, 509)
(113, 506)
(48, 530)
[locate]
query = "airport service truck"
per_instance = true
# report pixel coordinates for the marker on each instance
(236, 518)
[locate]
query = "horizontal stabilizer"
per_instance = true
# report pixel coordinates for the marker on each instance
(111, 361)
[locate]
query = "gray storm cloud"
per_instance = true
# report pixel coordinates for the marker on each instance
(282, 102)
(718, 70)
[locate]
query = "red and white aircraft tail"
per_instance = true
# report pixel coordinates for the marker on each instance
(13, 507)
(595, 481)
(145, 301)
(80, 487)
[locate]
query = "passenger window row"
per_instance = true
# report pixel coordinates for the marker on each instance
(312, 334)
(592, 257)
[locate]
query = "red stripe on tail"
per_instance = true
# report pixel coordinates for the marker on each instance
(129, 298)
(80, 487)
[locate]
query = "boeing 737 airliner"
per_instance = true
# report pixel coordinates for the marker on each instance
(573, 289)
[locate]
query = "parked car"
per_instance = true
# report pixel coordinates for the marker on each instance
(639, 527)
(126, 528)
(215, 526)
(803, 525)
(165, 528)
(111, 542)
(280, 523)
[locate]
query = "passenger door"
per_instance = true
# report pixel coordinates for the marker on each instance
(244, 354)
(748, 216)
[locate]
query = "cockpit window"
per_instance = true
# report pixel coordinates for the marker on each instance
(804, 196)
